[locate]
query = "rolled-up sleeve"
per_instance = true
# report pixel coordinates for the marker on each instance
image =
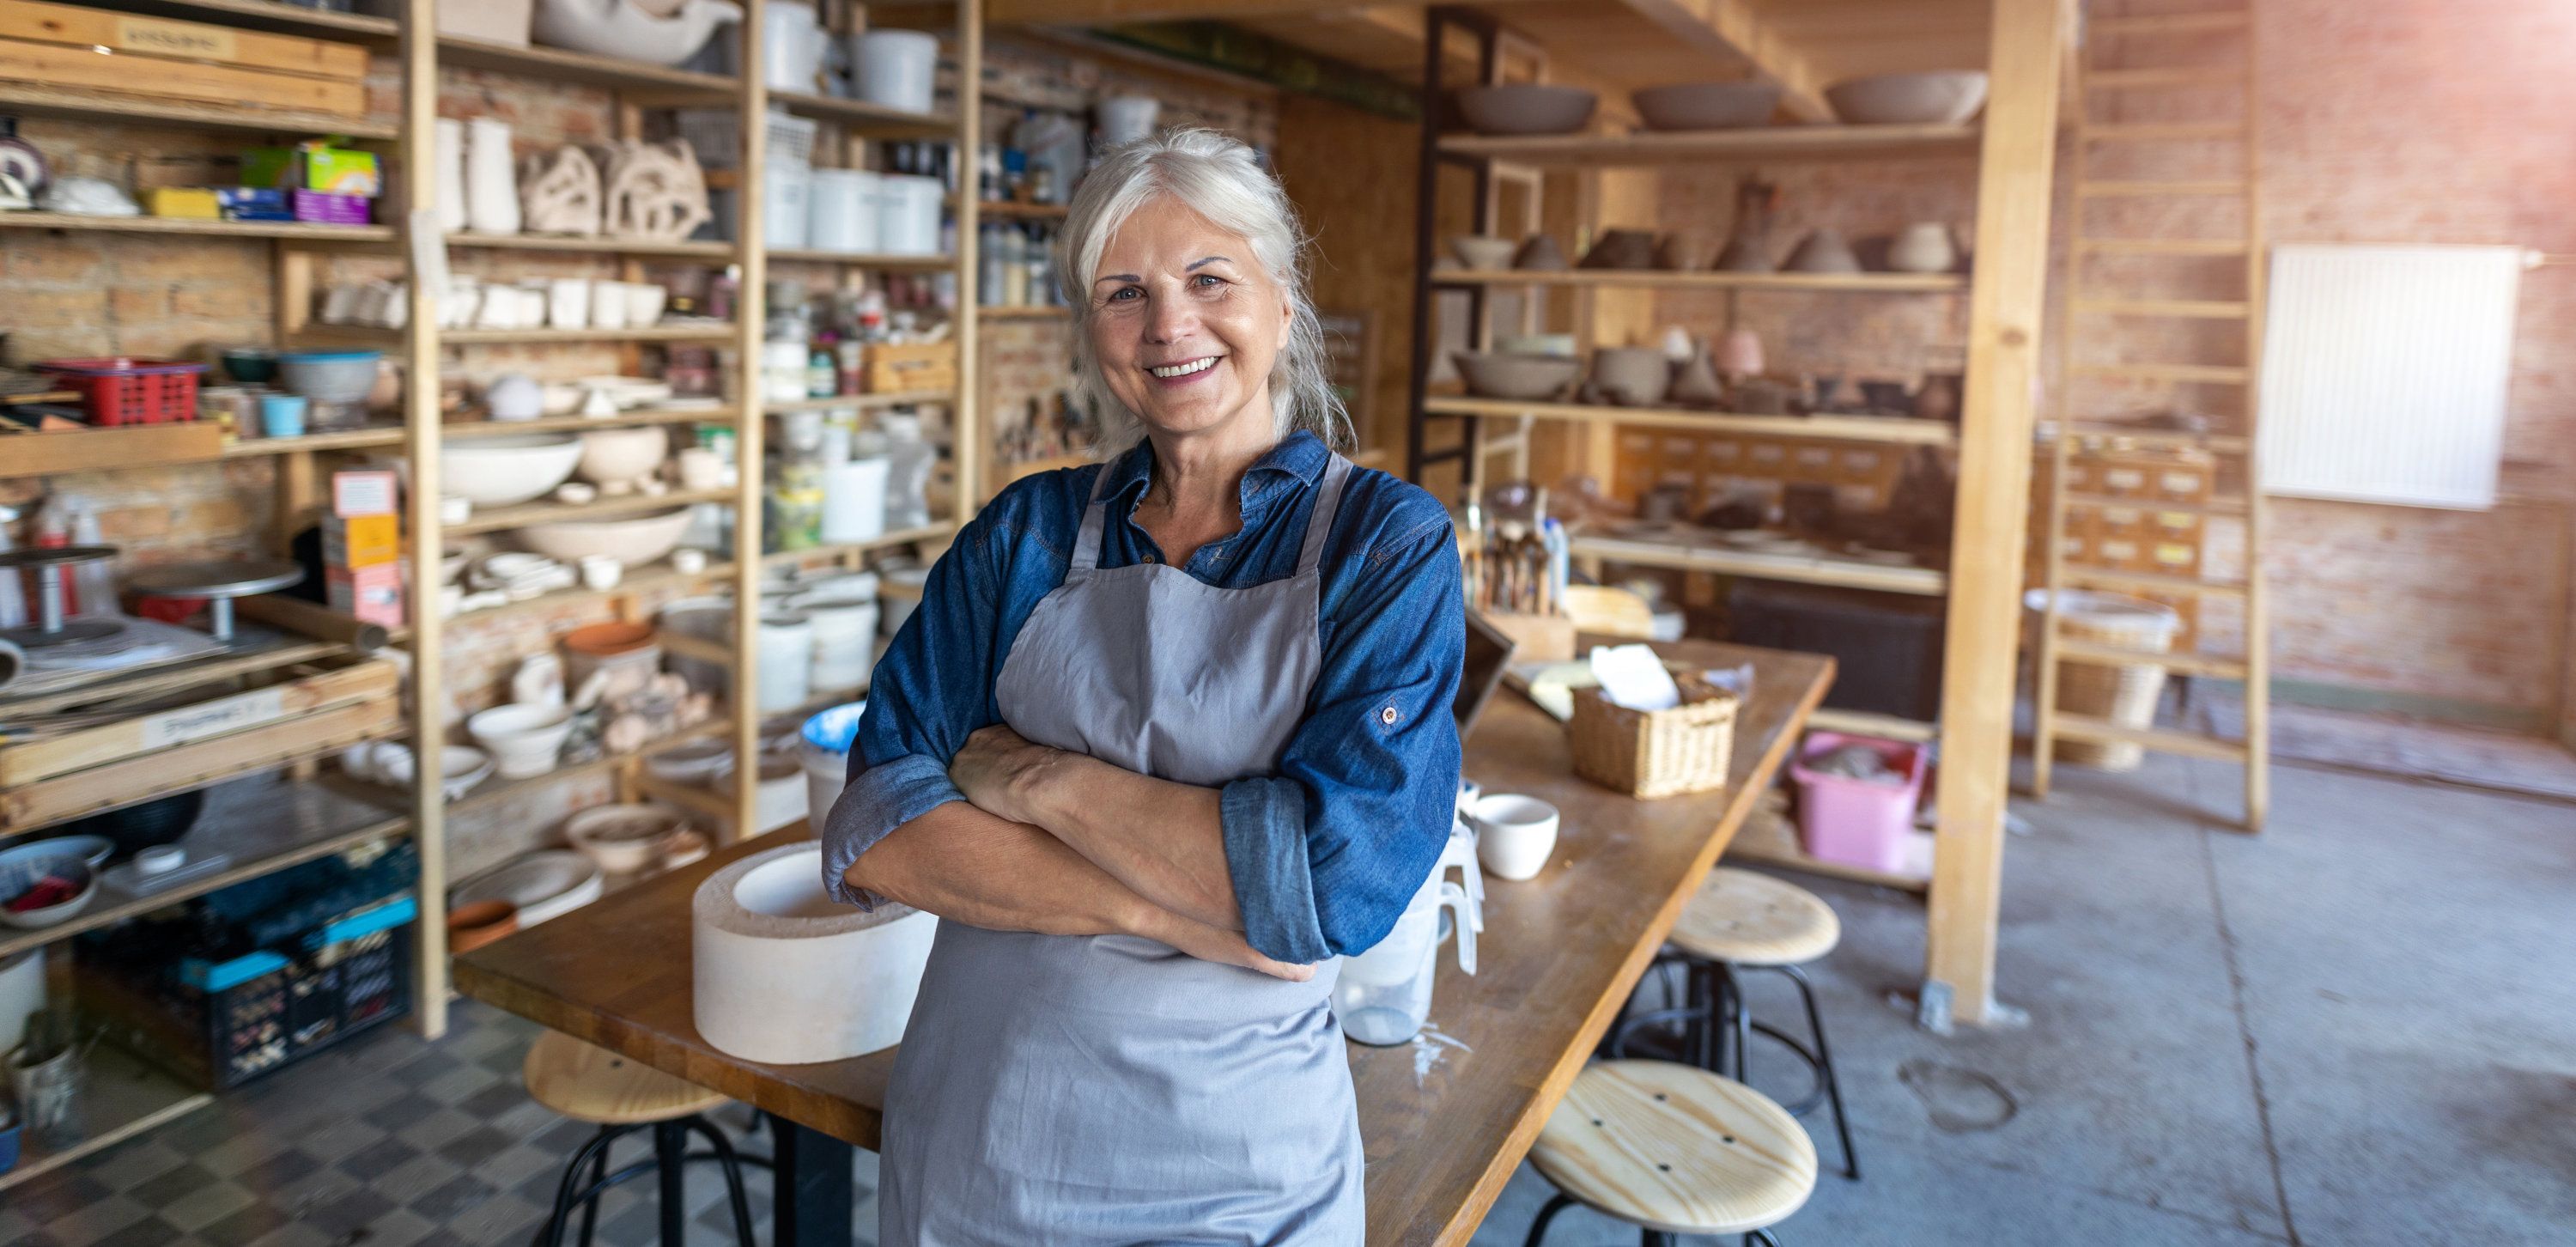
(931, 690)
(1326, 852)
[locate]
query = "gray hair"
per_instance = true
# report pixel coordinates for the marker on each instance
(1222, 180)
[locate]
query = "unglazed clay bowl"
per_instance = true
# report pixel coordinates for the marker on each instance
(1526, 108)
(617, 456)
(1945, 97)
(1482, 252)
(623, 839)
(1492, 374)
(1707, 105)
(502, 471)
(633, 542)
(1633, 376)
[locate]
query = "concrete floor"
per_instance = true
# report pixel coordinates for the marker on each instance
(2356, 1029)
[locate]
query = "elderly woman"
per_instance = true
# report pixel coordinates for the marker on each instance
(1165, 737)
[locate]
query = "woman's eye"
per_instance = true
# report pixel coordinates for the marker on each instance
(1208, 279)
(1122, 295)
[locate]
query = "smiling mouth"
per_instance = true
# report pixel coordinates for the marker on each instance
(1169, 371)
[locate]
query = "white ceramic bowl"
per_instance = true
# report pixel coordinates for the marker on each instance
(697, 762)
(1945, 97)
(1514, 834)
(616, 455)
(623, 839)
(1484, 252)
(524, 740)
(22, 868)
(546, 884)
(633, 542)
(628, 31)
(503, 471)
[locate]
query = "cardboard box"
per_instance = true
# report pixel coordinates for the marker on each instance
(370, 491)
(314, 166)
(361, 540)
(368, 594)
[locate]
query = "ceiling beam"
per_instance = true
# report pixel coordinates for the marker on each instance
(1733, 30)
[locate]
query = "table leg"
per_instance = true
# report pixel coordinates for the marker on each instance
(815, 1186)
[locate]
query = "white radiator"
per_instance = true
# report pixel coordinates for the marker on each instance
(2384, 372)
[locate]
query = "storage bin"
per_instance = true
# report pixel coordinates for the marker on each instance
(1857, 822)
(121, 390)
(1886, 647)
(2125, 693)
(1655, 753)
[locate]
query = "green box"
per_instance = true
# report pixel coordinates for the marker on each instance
(314, 166)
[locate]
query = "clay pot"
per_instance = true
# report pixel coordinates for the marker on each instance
(1697, 385)
(1526, 108)
(1492, 374)
(1940, 97)
(1621, 249)
(1748, 248)
(470, 927)
(1739, 353)
(1675, 254)
(1939, 397)
(1707, 105)
(1823, 251)
(1923, 247)
(1632, 376)
(1540, 254)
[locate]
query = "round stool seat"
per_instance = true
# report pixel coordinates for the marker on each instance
(1675, 1148)
(1753, 919)
(586, 1082)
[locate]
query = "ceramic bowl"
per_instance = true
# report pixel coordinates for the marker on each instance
(524, 740)
(474, 925)
(697, 762)
(1940, 98)
(329, 376)
(1526, 108)
(619, 455)
(250, 365)
(1559, 344)
(1634, 376)
(92, 849)
(460, 767)
(1823, 251)
(1707, 105)
(1483, 253)
(623, 839)
(634, 541)
(546, 884)
(630, 31)
(503, 471)
(1529, 377)
(24, 869)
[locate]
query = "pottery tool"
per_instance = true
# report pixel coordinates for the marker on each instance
(786, 975)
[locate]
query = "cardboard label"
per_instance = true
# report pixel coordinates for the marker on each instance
(188, 39)
(230, 715)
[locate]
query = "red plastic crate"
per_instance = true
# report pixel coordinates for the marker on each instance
(122, 390)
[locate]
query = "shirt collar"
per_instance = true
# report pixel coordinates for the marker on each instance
(1300, 456)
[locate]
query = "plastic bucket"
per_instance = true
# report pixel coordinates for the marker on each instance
(1856, 822)
(825, 743)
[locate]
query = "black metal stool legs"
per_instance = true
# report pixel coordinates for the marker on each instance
(1825, 1068)
(732, 1163)
(1538, 1228)
(587, 1177)
(594, 1153)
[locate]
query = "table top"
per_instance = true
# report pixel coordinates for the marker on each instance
(1444, 1120)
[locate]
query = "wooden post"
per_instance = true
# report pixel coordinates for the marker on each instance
(424, 282)
(750, 310)
(967, 434)
(2006, 301)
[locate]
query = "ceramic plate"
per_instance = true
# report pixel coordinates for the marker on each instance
(545, 884)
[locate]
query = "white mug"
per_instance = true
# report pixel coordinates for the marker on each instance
(607, 304)
(701, 468)
(1514, 834)
(568, 303)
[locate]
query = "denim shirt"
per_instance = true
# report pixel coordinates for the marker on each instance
(1325, 852)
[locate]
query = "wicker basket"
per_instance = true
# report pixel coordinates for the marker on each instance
(2126, 693)
(1655, 753)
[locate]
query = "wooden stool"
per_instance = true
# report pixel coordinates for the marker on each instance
(1741, 920)
(1673, 1149)
(590, 1083)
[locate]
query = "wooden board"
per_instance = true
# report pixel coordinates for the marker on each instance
(46, 64)
(164, 38)
(61, 754)
(37, 99)
(95, 450)
(188, 766)
(1558, 955)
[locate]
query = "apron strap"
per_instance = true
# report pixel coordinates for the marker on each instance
(1086, 545)
(1328, 501)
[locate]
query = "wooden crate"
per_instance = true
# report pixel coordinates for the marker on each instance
(99, 50)
(298, 690)
(911, 369)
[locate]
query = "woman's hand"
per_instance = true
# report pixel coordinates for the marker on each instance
(999, 772)
(1207, 943)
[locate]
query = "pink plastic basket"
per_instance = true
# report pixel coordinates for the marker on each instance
(1852, 821)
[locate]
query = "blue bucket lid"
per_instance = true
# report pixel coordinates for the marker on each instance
(834, 730)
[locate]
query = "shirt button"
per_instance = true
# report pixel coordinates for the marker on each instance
(1387, 716)
(1149, 558)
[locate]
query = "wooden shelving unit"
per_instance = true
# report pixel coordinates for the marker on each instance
(292, 231)
(2011, 150)
(694, 249)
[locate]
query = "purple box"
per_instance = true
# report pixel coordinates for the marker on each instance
(324, 208)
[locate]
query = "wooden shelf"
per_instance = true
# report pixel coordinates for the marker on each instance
(99, 450)
(1804, 569)
(687, 248)
(862, 259)
(899, 537)
(669, 86)
(469, 429)
(388, 339)
(36, 100)
(1895, 429)
(1769, 145)
(1007, 210)
(121, 1096)
(136, 682)
(638, 580)
(1865, 723)
(284, 19)
(859, 116)
(295, 231)
(1023, 311)
(345, 439)
(1772, 840)
(49, 802)
(1629, 278)
(839, 402)
(263, 824)
(604, 509)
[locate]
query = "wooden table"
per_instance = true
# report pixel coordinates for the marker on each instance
(1557, 956)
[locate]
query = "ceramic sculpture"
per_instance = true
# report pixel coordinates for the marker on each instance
(559, 193)
(655, 191)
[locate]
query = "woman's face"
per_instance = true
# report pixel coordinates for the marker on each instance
(1185, 322)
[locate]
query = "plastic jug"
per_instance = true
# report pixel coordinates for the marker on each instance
(1384, 995)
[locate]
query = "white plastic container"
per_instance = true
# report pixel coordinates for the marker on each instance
(895, 68)
(791, 38)
(845, 633)
(908, 218)
(854, 501)
(825, 744)
(842, 214)
(786, 657)
(1384, 995)
(787, 189)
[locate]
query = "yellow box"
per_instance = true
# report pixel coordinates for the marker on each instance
(197, 203)
(361, 540)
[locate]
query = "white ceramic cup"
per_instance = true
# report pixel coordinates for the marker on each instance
(644, 302)
(688, 561)
(1514, 834)
(607, 304)
(568, 303)
(701, 468)
(601, 572)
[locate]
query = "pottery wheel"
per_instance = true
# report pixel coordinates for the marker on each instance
(51, 627)
(219, 582)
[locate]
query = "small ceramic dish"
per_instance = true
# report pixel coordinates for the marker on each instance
(41, 885)
(93, 849)
(623, 839)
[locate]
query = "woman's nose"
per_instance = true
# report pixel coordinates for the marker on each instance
(1170, 319)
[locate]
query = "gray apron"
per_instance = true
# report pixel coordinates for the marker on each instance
(1076, 1090)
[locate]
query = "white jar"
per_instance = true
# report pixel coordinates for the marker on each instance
(491, 178)
(786, 659)
(786, 189)
(842, 214)
(895, 68)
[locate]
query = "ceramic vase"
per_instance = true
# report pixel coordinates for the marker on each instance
(1923, 247)
(491, 178)
(1739, 354)
(448, 143)
(1748, 248)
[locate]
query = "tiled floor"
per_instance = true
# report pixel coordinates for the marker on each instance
(387, 1142)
